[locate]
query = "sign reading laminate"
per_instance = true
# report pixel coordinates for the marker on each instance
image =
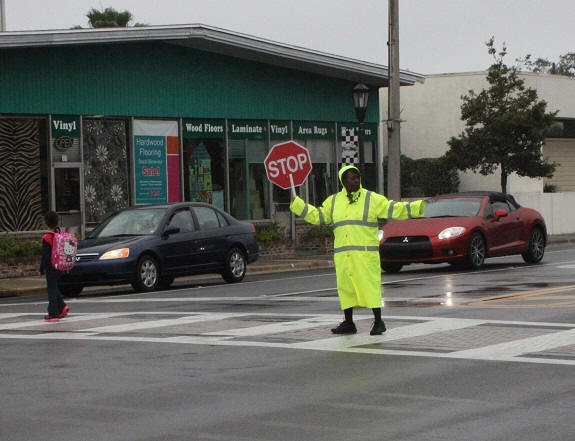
(247, 129)
(156, 161)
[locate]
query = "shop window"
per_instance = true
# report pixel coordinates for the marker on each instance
(369, 166)
(105, 168)
(23, 174)
(248, 182)
(562, 128)
(204, 171)
(321, 181)
(67, 188)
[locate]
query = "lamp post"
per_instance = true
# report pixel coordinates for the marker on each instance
(360, 97)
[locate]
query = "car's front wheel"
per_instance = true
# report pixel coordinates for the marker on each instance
(147, 274)
(476, 251)
(390, 267)
(71, 290)
(235, 266)
(536, 249)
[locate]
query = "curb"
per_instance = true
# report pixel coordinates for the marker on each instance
(40, 284)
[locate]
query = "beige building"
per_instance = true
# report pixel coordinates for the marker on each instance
(430, 114)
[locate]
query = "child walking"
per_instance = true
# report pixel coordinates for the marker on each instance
(57, 309)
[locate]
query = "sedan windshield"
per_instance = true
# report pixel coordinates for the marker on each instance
(130, 223)
(452, 207)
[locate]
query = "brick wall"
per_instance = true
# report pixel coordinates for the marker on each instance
(19, 266)
(320, 245)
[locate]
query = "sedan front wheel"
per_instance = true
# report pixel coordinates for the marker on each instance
(147, 275)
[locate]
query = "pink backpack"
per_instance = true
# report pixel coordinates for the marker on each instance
(64, 248)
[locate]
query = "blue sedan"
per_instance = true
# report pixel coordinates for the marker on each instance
(149, 246)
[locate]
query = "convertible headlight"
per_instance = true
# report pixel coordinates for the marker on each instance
(120, 253)
(380, 235)
(450, 232)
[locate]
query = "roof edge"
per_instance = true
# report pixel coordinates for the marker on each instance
(375, 74)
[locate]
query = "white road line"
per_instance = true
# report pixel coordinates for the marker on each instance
(73, 319)
(153, 324)
(274, 328)
(10, 315)
(416, 330)
(358, 343)
(523, 346)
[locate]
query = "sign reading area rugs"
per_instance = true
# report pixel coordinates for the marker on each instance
(156, 161)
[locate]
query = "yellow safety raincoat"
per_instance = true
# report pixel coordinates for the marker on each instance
(356, 244)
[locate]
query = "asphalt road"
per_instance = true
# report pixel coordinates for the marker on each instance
(486, 355)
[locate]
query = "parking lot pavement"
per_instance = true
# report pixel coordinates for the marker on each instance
(23, 286)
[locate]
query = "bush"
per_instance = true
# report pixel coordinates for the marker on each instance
(549, 188)
(425, 176)
(433, 176)
(12, 246)
(268, 233)
(319, 231)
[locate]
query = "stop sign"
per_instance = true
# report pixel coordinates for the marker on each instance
(285, 160)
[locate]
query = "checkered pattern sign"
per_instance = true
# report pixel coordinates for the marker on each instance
(349, 147)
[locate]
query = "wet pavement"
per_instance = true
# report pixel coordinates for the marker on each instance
(24, 286)
(483, 355)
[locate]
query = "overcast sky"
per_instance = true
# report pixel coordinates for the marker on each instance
(436, 36)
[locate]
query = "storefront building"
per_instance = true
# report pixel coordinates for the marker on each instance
(92, 121)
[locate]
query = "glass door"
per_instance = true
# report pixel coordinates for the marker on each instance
(67, 197)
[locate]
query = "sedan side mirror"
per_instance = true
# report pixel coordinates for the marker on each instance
(500, 213)
(170, 230)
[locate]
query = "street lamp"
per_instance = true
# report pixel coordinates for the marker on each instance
(360, 97)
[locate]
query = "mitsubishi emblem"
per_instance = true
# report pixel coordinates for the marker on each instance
(405, 240)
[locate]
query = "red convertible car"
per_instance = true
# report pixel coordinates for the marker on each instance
(464, 229)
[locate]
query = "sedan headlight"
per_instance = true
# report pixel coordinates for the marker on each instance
(120, 253)
(451, 232)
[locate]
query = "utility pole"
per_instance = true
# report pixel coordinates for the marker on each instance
(2, 16)
(393, 117)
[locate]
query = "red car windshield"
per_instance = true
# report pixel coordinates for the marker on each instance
(452, 207)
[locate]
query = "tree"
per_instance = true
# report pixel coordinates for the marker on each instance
(565, 65)
(506, 126)
(425, 176)
(433, 176)
(108, 18)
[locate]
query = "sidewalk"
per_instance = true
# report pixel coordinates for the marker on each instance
(24, 286)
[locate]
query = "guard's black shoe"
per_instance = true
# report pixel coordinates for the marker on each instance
(345, 327)
(378, 328)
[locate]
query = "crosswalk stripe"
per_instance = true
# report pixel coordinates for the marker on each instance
(399, 333)
(554, 344)
(153, 324)
(523, 346)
